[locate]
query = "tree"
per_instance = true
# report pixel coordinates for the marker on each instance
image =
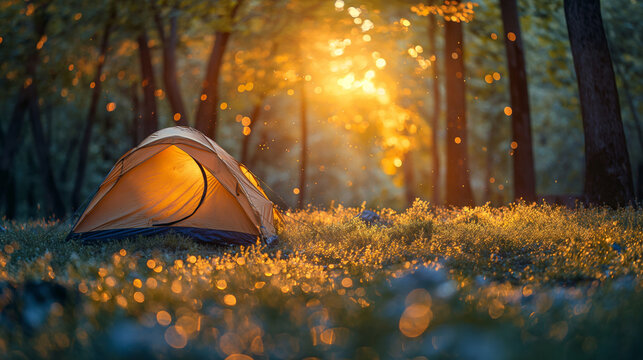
(458, 191)
(454, 13)
(91, 115)
(264, 81)
(435, 116)
(148, 82)
(608, 176)
(12, 141)
(207, 111)
(254, 116)
(303, 160)
(40, 21)
(169, 41)
(625, 55)
(523, 159)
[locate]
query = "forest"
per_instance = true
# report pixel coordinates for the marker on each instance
(326, 103)
(321, 179)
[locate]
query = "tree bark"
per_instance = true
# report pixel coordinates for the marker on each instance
(54, 200)
(42, 151)
(12, 140)
(208, 109)
(150, 115)
(638, 188)
(524, 178)
(83, 151)
(608, 175)
(435, 118)
(254, 117)
(458, 185)
(170, 78)
(301, 200)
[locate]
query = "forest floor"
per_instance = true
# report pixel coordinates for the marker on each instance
(528, 281)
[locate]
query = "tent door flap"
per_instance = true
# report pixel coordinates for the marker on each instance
(205, 191)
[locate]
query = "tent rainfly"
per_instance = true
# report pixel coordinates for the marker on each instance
(179, 180)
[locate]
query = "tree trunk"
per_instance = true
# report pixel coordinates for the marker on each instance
(12, 140)
(170, 79)
(523, 159)
(435, 118)
(637, 125)
(608, 175)
(254, 117)
(42, 152)
(54, 199)
(301, 200)
(150, 115)
(208, 109)
(458, 172)
(409, 178)
(83, 152)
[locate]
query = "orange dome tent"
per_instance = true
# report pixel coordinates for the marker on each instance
(178, 180)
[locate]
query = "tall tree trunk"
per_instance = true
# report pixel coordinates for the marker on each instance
(55, 203)
(42, 152)
(630, 104)
(208, 109)
(458, 172)
(254, 117)
(608, 175)
(435, 118)
(523, 158)
(12, 140)
(409, 178)
(150, 115)
(83, 151)
(301, 200)
(170, 78)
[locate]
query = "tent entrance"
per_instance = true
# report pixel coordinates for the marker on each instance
(205, 191)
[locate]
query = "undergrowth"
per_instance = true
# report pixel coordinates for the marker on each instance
(487, 283)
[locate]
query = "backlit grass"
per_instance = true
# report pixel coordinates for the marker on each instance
(483, 283)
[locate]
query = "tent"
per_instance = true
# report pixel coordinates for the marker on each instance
(179, 180)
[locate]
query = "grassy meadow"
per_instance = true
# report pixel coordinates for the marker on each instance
(523, 281)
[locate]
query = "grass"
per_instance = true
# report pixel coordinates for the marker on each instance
(532, 281)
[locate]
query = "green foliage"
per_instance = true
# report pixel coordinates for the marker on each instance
(351, 137)
(491, 283)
